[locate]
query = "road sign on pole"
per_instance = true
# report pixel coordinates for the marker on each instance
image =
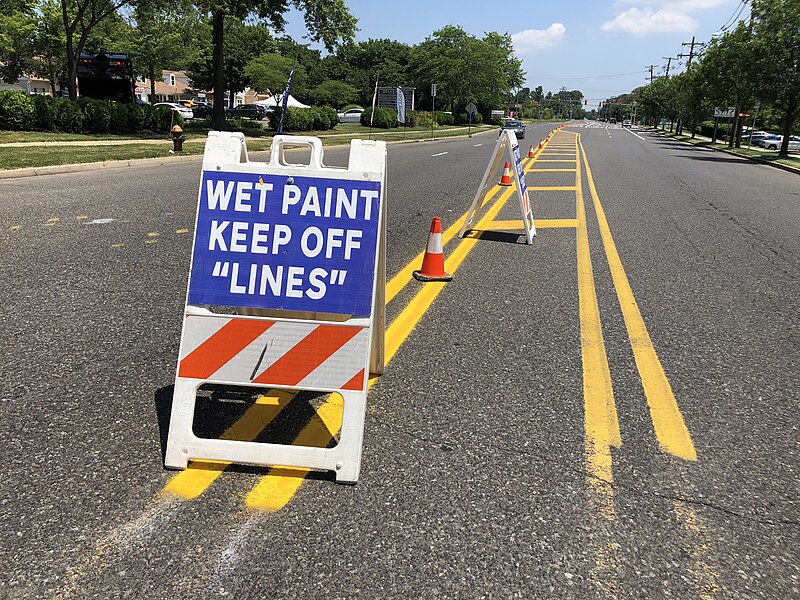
(724, 113)
(433, 90)
(291, 260)
(507, 147)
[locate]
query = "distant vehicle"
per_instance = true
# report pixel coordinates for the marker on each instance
(518, 127)
(106, 76)
(202, 110)
(251, 111)
(351, 116)
(770, 137)
(186, 113)
(627, 123)
(613, 121)
(775, 144)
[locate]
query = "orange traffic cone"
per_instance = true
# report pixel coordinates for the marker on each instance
(541, 144)
(433, 261)
(506, 178)
(530, 152)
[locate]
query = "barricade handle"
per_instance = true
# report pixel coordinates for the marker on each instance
(277, 158)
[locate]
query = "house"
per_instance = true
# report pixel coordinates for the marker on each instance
(173, 86)
(30, 84)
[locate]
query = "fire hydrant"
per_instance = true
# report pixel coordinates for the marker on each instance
(177, 138)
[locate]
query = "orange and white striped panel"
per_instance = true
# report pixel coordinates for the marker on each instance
(311, 356)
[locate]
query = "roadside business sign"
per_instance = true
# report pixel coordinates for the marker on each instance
(286, 290)
(506, 148)
(724, 113)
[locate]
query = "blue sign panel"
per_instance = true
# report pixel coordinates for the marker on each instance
(520, 171)
(291, 243)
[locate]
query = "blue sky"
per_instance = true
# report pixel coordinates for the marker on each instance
(560, 42)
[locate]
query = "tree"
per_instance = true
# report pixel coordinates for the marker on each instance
(334, 93)
(269, 72)
(49, 57)
(17, 32)
(466, 69)
(80, 18)
(776, 42)
(327, 21)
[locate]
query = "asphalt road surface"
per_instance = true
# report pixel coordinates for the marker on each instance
(611, 412)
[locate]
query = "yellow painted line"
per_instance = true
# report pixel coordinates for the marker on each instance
(553, 188)
(670, 428)
(275, 490)
(117, 245)
(15, 228)
(552, 171)
(180, 231)
(82, 217)
(538, 223)
(555, 160)
(193, 481)
(702, 569)
(600, 411)
(52, 221)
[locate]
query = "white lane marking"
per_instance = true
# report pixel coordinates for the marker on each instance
(476, 145)
(99, 222)
(440, 154)
(628, 129)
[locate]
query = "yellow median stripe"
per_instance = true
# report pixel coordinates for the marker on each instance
(670, 428)
(552, 188)
(561, 160)
(539, 224)
(552, 171)
(201, 474)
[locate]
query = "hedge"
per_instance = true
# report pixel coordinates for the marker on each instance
(316, 118)
(384, 118)
(22, 112)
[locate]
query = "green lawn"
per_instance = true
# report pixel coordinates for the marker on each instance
(38, 156)
(769, 156)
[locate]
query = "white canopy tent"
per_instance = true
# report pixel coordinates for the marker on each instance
(277, 100)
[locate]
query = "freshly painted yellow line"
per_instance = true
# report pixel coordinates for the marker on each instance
(553, 188)
(201, 474)
(117, 245)
(552, 171)
(539, 223)
(670, 428)
(600, 416)
(82, 217)
(276, 488)
(180, 231)
(15, 228)
(555, 160)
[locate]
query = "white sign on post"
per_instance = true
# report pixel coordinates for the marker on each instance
(291, 257)
(507, 147)
(724, 113)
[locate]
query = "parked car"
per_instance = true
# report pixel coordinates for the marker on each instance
(518, 127)
(627, 123)
(202, 110)
(352, 115)
(754, 136)
(251, 111)
(775, 144)
(186, 113)
(770, 137)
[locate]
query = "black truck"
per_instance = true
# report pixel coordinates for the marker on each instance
(106, 76)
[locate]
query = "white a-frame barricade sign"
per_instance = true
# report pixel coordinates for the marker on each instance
(506, 148)
(286, 290)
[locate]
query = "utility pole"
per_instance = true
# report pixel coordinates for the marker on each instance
(669, 62)
(651, 67)
(690, 56)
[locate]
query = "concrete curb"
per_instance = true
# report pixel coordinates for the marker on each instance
(139, 162)
(754, 159)
(92, 166)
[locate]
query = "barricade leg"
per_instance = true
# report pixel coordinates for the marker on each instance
(180, 423)
(348, 449)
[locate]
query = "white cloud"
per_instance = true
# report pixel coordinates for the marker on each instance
(642, 22)
(531, 40)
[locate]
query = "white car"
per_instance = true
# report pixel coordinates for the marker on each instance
(183, 111)
(775, 144)
(351, 116)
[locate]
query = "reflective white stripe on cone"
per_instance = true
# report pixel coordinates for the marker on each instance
(433, 261)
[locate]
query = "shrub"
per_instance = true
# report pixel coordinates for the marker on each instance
(298, 119)
(96, 113)
(330, 115)
(424, 119)
(443, 118)
(164, 118)
(384, 118)
(723, 131)
(46, 112)
(237, 123)
(17, 111)
(411, 118)
(118, 114)
(69, 116)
